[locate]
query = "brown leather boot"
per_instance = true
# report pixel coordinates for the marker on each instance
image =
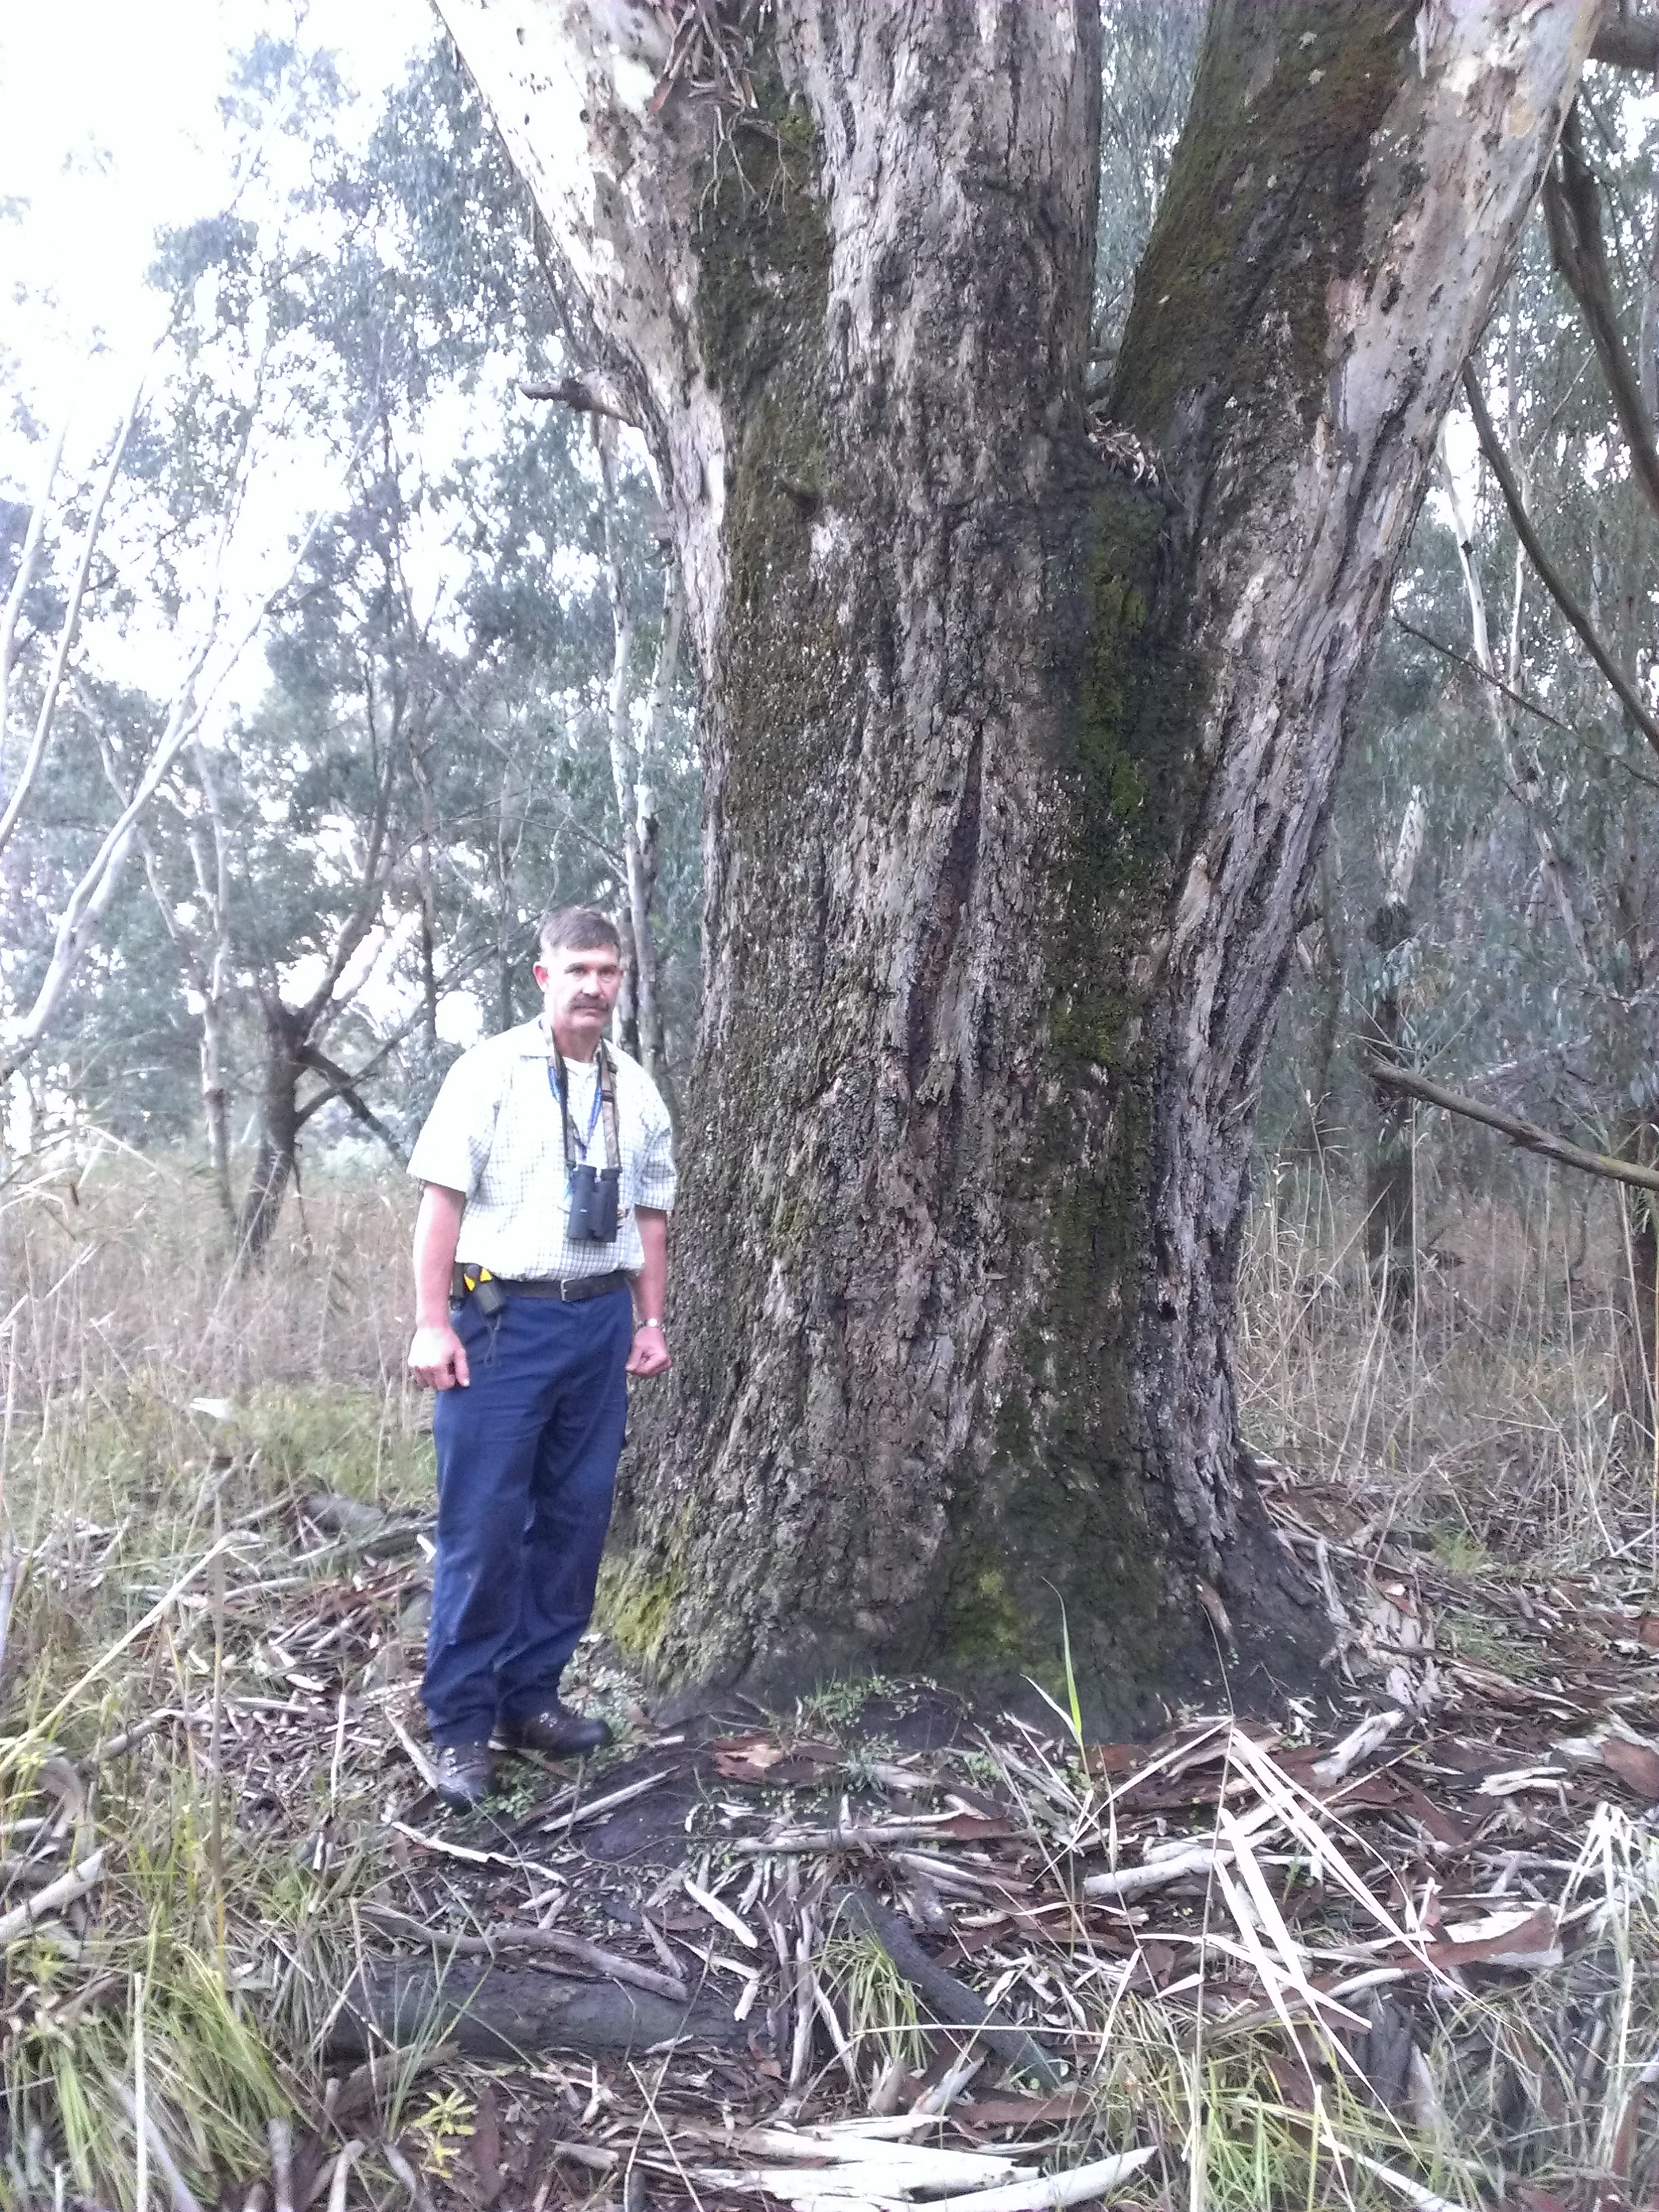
(556, 1734)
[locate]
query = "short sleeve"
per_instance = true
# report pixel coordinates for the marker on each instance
(453, 1146)
(655, 1180)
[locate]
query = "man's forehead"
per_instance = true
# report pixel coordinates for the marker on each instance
(585, 956)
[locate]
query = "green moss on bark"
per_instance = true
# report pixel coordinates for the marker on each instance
(1265, 213)
(1062, 1516)
(637, 1599)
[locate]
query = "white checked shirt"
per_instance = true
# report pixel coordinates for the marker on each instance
(494, 1133)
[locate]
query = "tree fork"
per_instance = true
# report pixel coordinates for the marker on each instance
(1019, 741)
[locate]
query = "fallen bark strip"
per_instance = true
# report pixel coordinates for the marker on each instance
(1052, 2190)
(1526, 1134)
(804, 1842)
(362, 2091)
(511, 1936)
(952, 2002)
(503, 2012)
(56, 1894)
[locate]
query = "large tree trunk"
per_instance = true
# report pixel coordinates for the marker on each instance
(1018, 740)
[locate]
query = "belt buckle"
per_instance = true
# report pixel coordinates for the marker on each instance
(564, 1299)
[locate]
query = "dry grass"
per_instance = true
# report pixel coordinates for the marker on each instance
(152, 1400)
(1493, 1413)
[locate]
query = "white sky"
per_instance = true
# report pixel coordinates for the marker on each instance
(111, 131)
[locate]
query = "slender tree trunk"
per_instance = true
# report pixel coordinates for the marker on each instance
(210, 850)
(1323, 1135)
(428, 898)
(1018, 733)
(275, 1160)
(216, 1105)
(1391, 1164)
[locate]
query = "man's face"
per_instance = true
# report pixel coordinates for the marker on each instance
(578, 990)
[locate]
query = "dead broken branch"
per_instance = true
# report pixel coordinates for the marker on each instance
(510, 1936)
(1526, 1134)
(952, 2002)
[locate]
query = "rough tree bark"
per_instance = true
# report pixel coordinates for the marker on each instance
(281, 1070)
(1018, 733)
(633, 756)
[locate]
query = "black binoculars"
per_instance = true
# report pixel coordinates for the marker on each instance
(594, 1205)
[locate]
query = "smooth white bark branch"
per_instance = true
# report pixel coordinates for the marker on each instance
(78, 925)
(33, 540)
(71, 623)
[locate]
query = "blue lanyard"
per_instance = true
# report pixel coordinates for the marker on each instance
(553, 1085)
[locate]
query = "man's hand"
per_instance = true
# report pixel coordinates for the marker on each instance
(650, 1354)
(437, 1359)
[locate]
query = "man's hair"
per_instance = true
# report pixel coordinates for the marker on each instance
(578, 929)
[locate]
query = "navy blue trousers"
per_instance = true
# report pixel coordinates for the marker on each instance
(526, 1468)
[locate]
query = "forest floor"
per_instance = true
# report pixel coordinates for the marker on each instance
(882, 1948)
(886, 1948)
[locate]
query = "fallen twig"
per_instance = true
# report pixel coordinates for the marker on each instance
(805, 1842)
(511, 1936)
(1124, 1882)
(56, 1894)
(953, 2003)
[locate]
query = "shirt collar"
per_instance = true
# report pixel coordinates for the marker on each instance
(531, 1043)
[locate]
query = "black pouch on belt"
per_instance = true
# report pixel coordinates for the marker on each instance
(480, 1286)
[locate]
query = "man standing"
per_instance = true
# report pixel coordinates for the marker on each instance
(548, 1172)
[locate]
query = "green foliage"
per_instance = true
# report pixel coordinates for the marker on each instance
(428, 767)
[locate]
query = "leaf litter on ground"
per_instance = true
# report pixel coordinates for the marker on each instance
(1401, 1955)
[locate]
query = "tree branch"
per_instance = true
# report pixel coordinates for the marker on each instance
(1520, 700)
(1548, 575)
(571, 392)
(1572, 217)
(1526, 1134)
(32, 537)
(81, 918)
(376, 874)
(1628, 42)
(71, 623)
(343, 1086)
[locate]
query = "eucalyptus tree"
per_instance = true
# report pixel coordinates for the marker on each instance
(1019, 726)
(432, 760)
(1515, 686)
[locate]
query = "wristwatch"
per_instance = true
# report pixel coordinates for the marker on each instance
(639, 1325)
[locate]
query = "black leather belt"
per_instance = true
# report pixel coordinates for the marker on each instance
(568, 1290)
